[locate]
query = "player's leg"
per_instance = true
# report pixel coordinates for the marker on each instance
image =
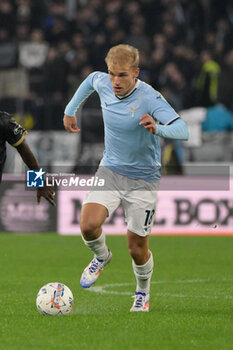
(140, 210)
(92, 218)
(142, 261)
(96, 207)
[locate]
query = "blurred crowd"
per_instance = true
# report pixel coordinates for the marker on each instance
(47, 47)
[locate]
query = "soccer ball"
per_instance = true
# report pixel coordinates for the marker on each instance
(54, 299)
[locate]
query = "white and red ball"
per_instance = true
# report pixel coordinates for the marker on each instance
(54, 299)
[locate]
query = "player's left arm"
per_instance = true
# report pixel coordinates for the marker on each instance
(177, 130)
(168, 123)
(14, 135)
(32, 163)
(148, 122)
(27, 155)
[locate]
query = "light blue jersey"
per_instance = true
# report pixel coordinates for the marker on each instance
(130, 149)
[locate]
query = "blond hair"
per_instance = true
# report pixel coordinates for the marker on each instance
(123, 54)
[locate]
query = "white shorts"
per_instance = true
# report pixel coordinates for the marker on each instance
(137, 197)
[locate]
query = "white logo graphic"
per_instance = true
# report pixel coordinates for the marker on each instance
(35, 178)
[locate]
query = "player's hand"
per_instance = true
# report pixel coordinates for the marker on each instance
(148, 122)
(48, 193)
(70, 124)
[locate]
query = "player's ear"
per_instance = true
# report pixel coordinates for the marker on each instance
(137, 71)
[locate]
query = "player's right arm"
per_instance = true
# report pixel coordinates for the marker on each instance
(70, 123)
(32, 163)
(83, 91)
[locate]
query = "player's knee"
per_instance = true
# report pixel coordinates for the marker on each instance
(136, 252)
(89, 227)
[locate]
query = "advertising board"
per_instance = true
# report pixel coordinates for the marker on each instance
(206, 209)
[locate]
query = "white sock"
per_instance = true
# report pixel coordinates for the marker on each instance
(98, 246)
(143, 275)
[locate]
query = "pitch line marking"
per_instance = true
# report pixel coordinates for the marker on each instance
(103, 289)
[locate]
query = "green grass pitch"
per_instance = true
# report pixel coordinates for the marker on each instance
(191, 304)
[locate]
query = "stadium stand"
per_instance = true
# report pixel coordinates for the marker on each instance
(50, 46)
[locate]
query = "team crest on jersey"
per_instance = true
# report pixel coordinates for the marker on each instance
(133, 110)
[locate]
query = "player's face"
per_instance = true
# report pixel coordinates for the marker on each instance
(122, 77)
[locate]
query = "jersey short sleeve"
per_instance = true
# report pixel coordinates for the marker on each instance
(12, 132)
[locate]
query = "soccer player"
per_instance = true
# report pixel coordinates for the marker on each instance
(13, 133)
(134, 116)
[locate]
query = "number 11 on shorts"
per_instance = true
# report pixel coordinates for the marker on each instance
(149, 217)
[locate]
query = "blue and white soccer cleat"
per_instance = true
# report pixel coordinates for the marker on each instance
(141, 302)
(92, 271)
